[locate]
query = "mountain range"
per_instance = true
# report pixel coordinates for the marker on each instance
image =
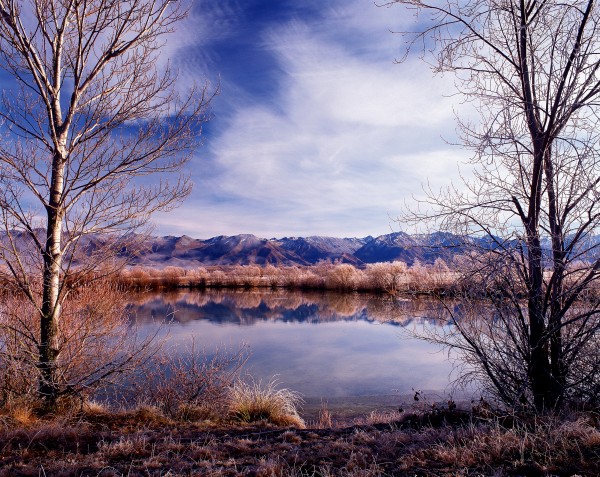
(248, 250)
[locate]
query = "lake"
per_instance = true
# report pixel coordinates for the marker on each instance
(340, 348)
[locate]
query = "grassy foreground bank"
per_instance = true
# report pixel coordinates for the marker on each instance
(144, 442)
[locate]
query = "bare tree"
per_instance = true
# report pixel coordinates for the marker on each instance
(86, 118)
(531, 69)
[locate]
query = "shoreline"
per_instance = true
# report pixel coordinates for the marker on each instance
(351, 409)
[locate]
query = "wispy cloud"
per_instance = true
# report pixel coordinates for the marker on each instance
(341, 140)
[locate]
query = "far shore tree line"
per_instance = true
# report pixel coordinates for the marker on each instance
(388, 277)
(439, 278)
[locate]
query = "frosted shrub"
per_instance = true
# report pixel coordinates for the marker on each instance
(342, 277)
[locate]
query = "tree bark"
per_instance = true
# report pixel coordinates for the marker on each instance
(51, 308)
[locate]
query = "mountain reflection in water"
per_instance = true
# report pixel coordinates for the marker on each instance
(250, 307)
(323, 345)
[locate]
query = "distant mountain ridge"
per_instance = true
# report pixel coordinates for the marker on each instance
(247, 249)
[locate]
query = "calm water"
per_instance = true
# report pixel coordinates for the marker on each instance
(322, 345)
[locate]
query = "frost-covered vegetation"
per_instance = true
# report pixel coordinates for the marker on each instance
(388, 277)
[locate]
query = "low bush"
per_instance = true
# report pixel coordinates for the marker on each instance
(187, 383)
(96, 345)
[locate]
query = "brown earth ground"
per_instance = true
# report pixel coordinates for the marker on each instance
(427, 443)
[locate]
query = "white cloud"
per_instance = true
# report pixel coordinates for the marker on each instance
(349, 136)
(188, 49)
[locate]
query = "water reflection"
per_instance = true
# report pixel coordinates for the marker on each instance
(251, 307)
(324, 345)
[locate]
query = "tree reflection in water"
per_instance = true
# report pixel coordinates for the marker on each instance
(250, 307)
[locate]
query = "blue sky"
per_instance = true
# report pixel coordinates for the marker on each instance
(317, 131)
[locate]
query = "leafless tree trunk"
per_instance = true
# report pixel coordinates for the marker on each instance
(531, 69)
(87, 117)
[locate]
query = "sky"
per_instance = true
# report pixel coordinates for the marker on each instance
(317, 130)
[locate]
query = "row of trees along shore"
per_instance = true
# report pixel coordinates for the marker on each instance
(388, 277)
(437, 279)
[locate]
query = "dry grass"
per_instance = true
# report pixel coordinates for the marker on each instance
(21, 414)
(139, 443)
(254, 402)
(325, 419)
(92, 407)
(542, 446)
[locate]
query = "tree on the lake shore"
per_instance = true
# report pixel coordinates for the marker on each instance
(531, 70)
(87, 115)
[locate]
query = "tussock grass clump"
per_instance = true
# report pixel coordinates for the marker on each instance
(19, 413)
(93, 407)
(253, 402)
